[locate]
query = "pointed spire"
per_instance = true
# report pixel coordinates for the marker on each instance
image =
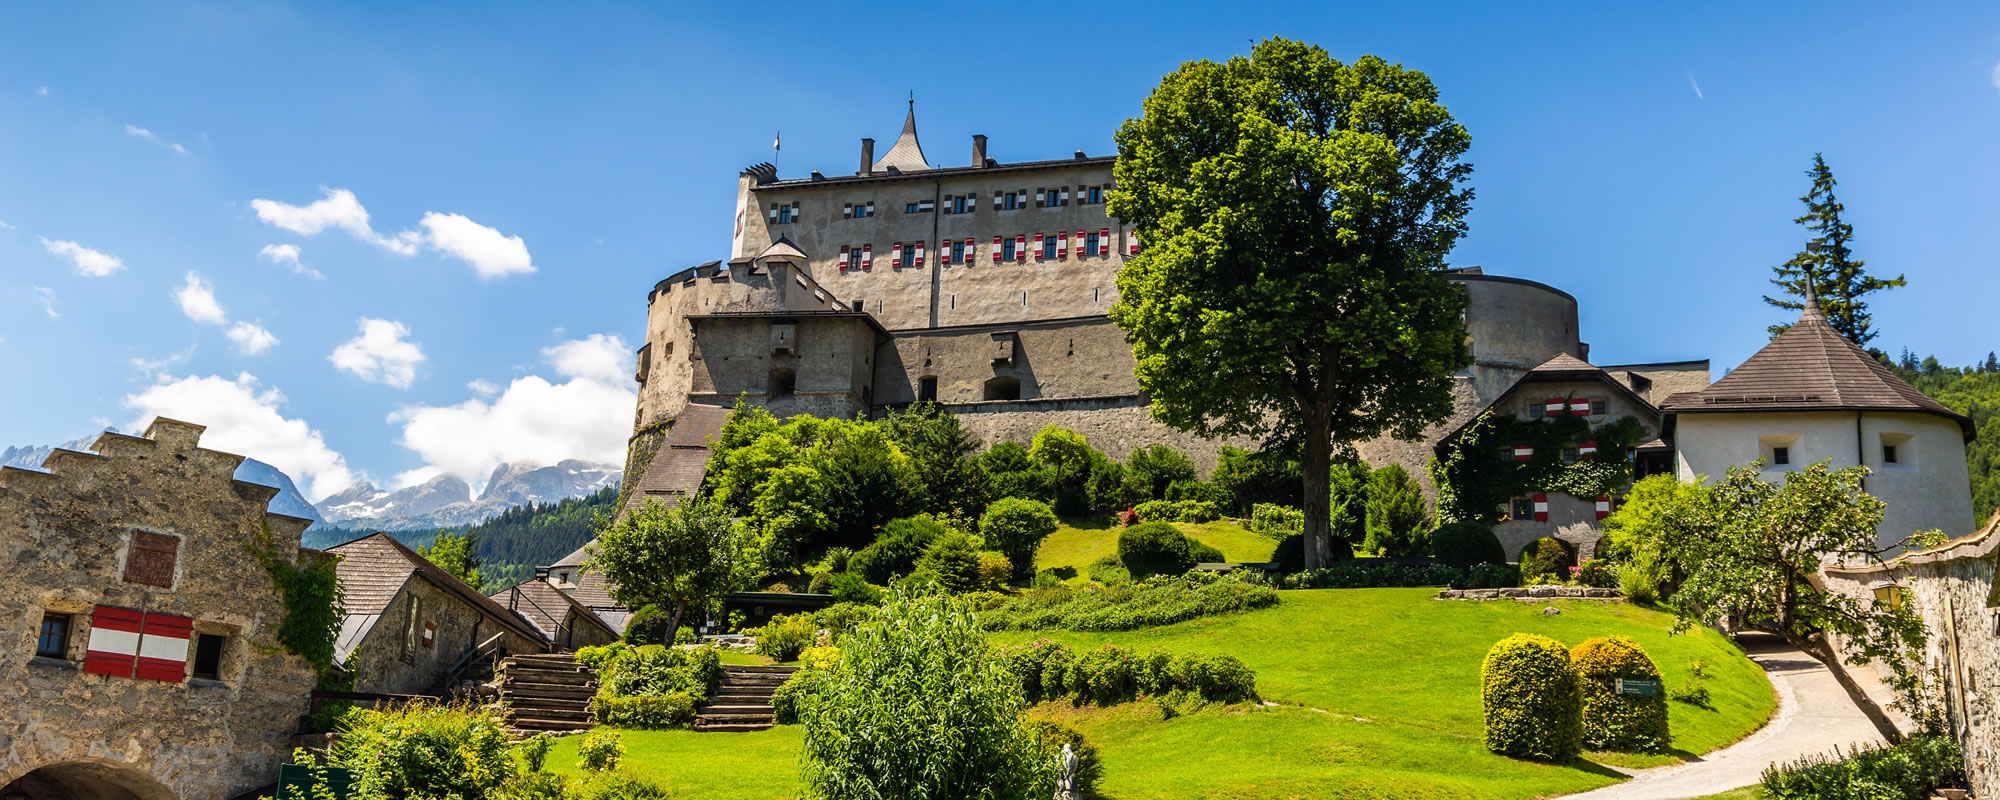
(906, 155)
(1812, 311)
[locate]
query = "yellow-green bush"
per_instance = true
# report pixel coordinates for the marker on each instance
(1613, 721)
(1533, 706)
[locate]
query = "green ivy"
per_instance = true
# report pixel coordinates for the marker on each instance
(1474, 477)
(311, 594)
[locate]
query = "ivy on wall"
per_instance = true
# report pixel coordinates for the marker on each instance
(639, 451)
(1477, 472)
(311, 594)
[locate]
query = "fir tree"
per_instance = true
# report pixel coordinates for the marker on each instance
(1829, 264)
(1992, 363)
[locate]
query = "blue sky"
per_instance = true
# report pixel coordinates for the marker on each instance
(527, 171)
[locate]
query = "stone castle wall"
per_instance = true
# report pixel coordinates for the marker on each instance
(66, 537)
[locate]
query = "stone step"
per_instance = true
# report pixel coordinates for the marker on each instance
(547, 690)
(733, 727)
(520, 675)
(740, 699)
(578, 714)
(736, 708)
(757, 668)
(557, 704)
(540, 724)
(754, 680)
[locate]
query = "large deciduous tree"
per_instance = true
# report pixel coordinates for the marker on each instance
(1294, 214)
(1749, 548)
(673, 556)
(1827, 266)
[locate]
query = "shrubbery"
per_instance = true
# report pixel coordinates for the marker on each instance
(424, 750)
(1176, 511)
(785, 636)
(1546, 560)
(1465, 543)
(1160, 601)
(1353, 575)
(951, 563)
(793, 698)
(1910, 769)
(896, 550)
(1613, 721)
(648, 625)
(1159, 548)
(1597, 573)
(651, 686)
(1050, 736)
(1016, 528)
(672, 710)
(1110, 674)
(1532, 702)
(1276, 521)
(1395, 509)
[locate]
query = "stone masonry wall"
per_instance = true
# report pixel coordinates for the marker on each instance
(65, 537)
(459, 628)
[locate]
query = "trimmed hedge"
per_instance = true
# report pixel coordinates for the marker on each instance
(1350, 575)
(1534, 708)
(1463, 544)
(1176, 511)
(1159, 548)
(1159, 601)
(1111, 674)
(1613, 721)
(671, 710)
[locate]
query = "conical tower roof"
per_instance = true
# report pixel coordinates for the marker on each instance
(906, 155)
(1811, 367)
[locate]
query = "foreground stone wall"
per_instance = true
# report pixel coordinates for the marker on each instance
(1952, 589)
(460, 628)
(66, 540)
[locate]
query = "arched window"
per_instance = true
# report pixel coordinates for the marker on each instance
(1003, 388)
(782, 384)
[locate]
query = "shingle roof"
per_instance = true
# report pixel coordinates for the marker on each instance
(1811, 367)
(677, 468)
(906, 155)
(374, 568)
(545, 606)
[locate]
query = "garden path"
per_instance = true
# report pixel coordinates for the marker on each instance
(1814, 716)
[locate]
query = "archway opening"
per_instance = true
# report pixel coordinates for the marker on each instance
(1003, 387)
(782, 384)
(86, 780)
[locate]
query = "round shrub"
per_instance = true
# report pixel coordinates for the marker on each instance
(1465, 543)
(648, 625)
(1016, 527)
(821, 582)
(896, 550)
(1546, 560)
(848, 587)
(1153, 548)
(785, 636)
(1533, 706)
(951, 563)
(1050, 736)
(1613, 721)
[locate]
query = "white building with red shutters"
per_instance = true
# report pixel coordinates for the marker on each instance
(140, 656)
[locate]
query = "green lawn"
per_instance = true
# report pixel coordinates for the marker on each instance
(1378, 692)
(1078, 541)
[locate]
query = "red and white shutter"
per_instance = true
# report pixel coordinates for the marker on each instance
(843, 258)
(1523, 452)
(1554, 407)
(896, 255)
(867, 256)
(1020, 247)
(1062, 244)
(1541, 508)
(114, 641)
(971, 252)
(1579, 407)
(996, 249)
(1587, 450)
(1104, 242)
(163, 647)
(1603, 506)
(1038, 247)
(1131, 243)
(920, 255)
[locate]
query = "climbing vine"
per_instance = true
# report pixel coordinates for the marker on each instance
(311, 594)
(1478, 471)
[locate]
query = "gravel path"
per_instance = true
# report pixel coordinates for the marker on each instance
(1814, 716)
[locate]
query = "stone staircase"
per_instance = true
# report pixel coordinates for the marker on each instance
(743, 702)
(547, 692)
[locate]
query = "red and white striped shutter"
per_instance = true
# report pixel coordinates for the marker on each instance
(114, 641)
(1554, 407)
(163, 647)
(996, 249)
(1587, 450)
(1603, 506)
(1082, 243)
(895, 255)
(971, 252)
(1131, 243)
(1579, 407)
(1541, 508)
(1523, 452)
(843, 258)
(867, 256)
(920, 254)
(1062, 244)
(1020, 247)
(1038, 247)
(1104, 242)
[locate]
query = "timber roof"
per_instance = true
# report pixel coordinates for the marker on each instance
(546, 606)
(373, 570)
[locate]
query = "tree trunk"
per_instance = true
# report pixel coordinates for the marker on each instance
(674, 623)
(1315, 465)
(1822, 651)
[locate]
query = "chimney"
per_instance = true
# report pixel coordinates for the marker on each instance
(867, 156)
(979, 149)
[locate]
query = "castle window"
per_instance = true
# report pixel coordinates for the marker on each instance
(927, 389)
(1052, 198)
(1049, 247)
(1599, 407)
(1092, 245)
(1523, 508)
(1569, 455)
(857, 305)
(54, 639)
(1781, 455)
(1093, 195)
(961, 204)
(1010, 201)
(1007, 250)
(1898, 451)
(958, 252)
(1888, 454)
(858, 210)
(919, 207)
(1534, 411)
(783, 383)
(784, 214)
(208, 656)
(1003, 387)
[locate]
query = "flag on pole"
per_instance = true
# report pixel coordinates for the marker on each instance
(774, 140)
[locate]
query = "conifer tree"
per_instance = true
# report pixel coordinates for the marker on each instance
(1829, 264)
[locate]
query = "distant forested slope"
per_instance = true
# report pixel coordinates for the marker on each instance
(1975, 392)
(508, 546)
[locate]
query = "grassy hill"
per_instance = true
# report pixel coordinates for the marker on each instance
(1378, 693)
(1078, 541)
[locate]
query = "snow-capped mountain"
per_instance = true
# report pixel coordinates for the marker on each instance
(447, 501)
(289, 500)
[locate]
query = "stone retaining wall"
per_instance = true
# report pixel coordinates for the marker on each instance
(1525, 593)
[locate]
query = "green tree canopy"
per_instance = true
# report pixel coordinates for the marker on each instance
(452, 552)
(1395, 508)
(673, 557)
(1295, 214)
(1827, 266)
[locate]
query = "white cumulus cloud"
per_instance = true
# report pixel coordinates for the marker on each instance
(197, 300)
(142, 133)
(380, 354)
(491, 253)
(598, 357)
(89, 263)
(243, 417)
(483, 387)
(288, 255)
(250, 338)
(532, 420)
(338, 209)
